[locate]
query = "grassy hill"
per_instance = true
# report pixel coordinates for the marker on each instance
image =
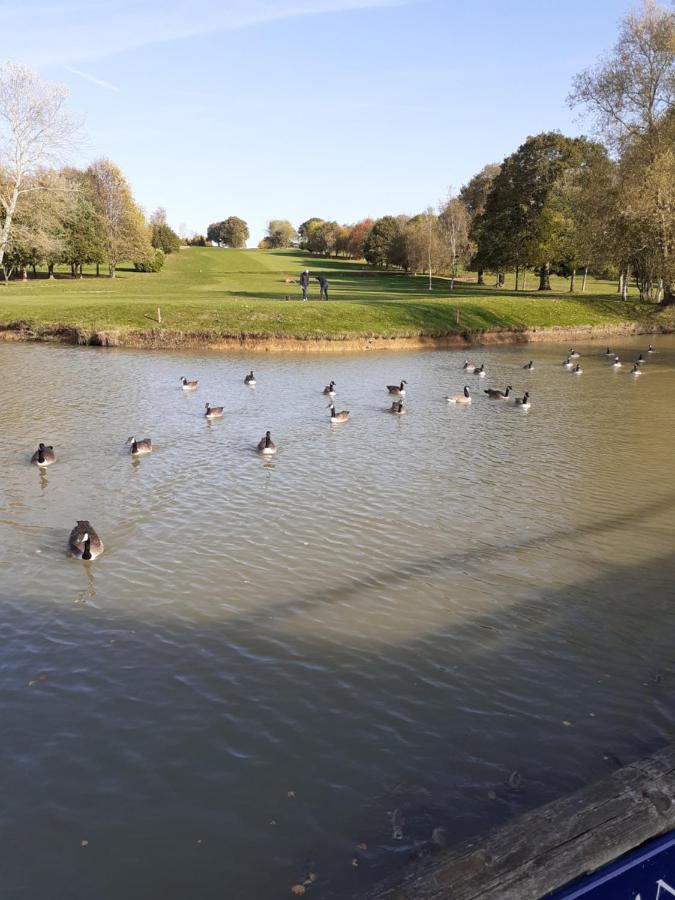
(243, 292)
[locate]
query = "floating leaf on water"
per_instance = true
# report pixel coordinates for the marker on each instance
(311, 878)
(291, 795)
(273, 821)
(362, 846)
(298, 889)
(567, 724)
(84, 843)
(492, 795)
(355, 863)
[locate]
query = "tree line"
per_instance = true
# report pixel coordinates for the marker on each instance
(52, 214)
(557, 204)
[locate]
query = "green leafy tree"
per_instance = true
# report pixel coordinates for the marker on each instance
(84, 240)
(235, 232)
(231, 232)
(280, 233)
(164, 238)
(382, 247)
(523, 223)
(306, 233)
(474, 196)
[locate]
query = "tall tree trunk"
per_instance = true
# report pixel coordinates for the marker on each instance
(619, 288)
(572, 277)
(545, 277)
(517, 277)
(525, 279)
(34, 270)
(668, 293)
(98, 270)
(481, 279)
(79, 271)
(24, 273)
(500, 279)
(583, 283)
(7, 223)
(624, 289)
(111, 270)
(50, 270)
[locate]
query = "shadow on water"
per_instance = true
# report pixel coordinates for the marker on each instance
(168, 763)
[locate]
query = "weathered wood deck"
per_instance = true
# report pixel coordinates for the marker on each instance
(545, 849)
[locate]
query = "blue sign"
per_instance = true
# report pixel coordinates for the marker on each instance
(647, 873)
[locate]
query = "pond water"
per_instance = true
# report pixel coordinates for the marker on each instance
(397, 623)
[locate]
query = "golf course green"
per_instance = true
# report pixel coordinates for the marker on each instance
(210, 295)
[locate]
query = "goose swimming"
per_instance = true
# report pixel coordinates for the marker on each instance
(337, 417)
(43, 456)
(140, 448)
(266, 445)
(83, 542)
(213, 412)
(464, 398)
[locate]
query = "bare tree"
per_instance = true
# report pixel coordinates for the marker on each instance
(34, 132)
(455, 220)
(631, 89)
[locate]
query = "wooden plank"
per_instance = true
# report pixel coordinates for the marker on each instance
(548, 847)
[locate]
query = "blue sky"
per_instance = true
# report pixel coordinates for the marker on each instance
(293, 108)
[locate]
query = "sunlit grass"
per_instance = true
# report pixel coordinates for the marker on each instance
(233, 293)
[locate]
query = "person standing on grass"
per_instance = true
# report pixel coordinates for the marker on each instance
(304, 283)
(323, 285)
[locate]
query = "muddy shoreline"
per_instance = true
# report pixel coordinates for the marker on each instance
(159, 339)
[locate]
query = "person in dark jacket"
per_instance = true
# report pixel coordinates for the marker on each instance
(304, 283)
(323, 285)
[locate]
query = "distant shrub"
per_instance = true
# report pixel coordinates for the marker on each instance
(165, 238)
(152, 264)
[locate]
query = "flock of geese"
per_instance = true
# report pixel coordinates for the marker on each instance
(84, 543)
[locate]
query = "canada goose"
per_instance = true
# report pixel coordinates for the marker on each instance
(494, 394)
(650, 349)
(397, 408)
(139, 448)
(329, 390)
(84, 543)
(523, 402)
(567, 364)
(572, 353)
(480, 371)
(213, 412)
(398, 390)
(460, 398)
(636, 370)
(609, 352)
(337, 417)
(189, 385)
(529, 366)
(43, 456)
(469, 367)
(266, 445)
(640, 360)
(616, 363)
(577, 370)
(250, 379)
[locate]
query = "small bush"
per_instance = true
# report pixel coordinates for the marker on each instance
(152, 264)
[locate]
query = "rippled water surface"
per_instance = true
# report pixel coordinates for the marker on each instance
(457, 614)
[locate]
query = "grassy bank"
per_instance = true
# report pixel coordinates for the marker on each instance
(230, 293)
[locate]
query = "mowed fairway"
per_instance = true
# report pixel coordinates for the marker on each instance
(243, 292)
